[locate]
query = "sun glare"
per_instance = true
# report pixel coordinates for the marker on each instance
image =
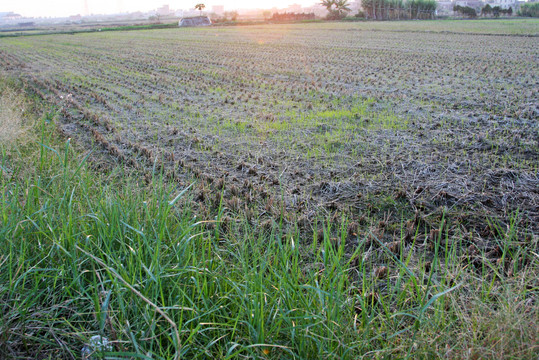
(60, 8)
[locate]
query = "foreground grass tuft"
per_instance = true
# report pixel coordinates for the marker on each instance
(11, 115)
(85, 254)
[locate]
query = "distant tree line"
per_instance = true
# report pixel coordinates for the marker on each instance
(487, 10)
(529, 9)
(292, 16)
(227, 16)
(399, 9)
(231, 15)
(495, 11)
(465, 11)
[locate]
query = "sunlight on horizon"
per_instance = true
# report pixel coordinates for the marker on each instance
(59, 8)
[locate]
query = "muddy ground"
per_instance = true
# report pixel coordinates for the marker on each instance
(309, 122)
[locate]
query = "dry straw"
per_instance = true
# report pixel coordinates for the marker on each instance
(11, 115)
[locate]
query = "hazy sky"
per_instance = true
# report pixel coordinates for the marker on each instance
(47, 8)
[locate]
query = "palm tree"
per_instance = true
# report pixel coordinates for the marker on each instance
(337, 8)
(328, 4)
(200, 7)
(342, 6)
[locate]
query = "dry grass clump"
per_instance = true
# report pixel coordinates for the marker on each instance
(498, 320)
(11, 115)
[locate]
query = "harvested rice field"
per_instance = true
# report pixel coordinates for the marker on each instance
(394, 163)
(310, 118)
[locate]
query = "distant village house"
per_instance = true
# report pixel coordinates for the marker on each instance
(195, 21)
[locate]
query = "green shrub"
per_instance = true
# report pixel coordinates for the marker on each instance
(465, 11)
(529, 10)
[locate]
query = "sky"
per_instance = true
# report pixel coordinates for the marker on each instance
(58, 8)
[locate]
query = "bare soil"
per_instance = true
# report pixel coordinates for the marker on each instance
(306, 122)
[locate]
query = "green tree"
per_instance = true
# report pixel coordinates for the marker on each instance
(328, 4)
(200, 7)
(486, 10)
(529, 9)
(342, 6)
(469, 11)
(399, 9)
(337, 8)
(231, 15)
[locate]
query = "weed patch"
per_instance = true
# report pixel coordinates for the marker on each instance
(11, 115)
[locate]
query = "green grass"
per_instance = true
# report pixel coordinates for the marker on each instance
(85, 253)
(516, 26)
(77, 30)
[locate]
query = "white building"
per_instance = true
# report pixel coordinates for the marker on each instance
(505, 4)
(163, 10)
(218, 9)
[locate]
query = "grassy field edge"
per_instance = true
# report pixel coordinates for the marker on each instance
(86, 253)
